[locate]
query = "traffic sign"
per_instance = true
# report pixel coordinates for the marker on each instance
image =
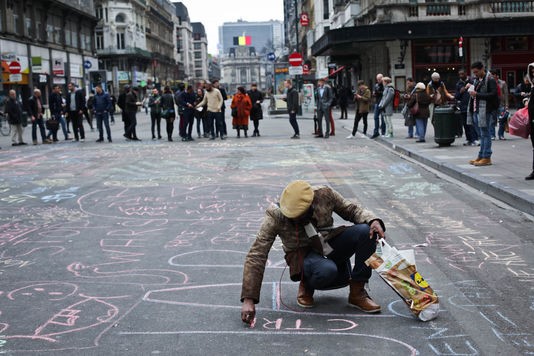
(14, 67)
(295, 59)
(271, 57)
(304, 19)
(296, 70)
(14, 78)
(87, 64)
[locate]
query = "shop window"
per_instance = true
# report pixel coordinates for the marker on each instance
(517, 43)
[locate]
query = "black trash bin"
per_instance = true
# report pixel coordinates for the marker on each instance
(445, 125)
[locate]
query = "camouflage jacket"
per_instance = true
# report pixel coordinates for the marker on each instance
(295, 242)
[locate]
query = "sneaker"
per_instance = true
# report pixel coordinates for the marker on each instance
(110, 140)
(34, 142)
(22, 143)
(375, 135)
(295, 136)
(350, 136)
(14, 144)
(82, 140)
(477, 143)
(99, 140)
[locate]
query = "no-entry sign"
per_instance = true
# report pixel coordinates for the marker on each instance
(295, 59)
(14, 67)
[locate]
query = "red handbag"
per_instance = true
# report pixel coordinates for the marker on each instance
(519, 124)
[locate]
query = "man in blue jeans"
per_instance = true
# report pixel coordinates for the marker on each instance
(380, 125)
(101, 108)
(318, 254)
(483, 107)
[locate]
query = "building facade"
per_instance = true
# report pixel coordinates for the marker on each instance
(265, 37)
(242, 67)
(44, 43)
(200, 52)
(160, 42)
(413, 38)
(183, 43)
(134, 42)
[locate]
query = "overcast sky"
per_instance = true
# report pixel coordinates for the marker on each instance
(213, 13)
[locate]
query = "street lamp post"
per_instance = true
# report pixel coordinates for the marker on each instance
(297, 77)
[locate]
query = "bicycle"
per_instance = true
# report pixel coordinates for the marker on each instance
(5, 127)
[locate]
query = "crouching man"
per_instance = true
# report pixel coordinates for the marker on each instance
(317, 253)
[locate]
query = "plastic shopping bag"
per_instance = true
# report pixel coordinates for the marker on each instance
(397, 269)
(519, 124)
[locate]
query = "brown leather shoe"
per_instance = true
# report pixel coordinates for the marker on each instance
(483, 162)
(304, 296)
(359, 298)
(473, 161)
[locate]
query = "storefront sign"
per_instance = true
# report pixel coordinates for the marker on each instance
(15, 78)
(400, 66)
(59, 80)
(37, 64)
(58, 67)
(295, 70)
(8, 57)
(123, 77)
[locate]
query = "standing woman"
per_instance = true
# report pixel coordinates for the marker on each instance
(530, 74)
(422, 100)
(256, 113)
(241, 106)
(167, 110)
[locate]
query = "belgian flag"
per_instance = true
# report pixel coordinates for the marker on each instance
(243, 41)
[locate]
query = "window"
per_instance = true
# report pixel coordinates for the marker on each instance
(198, 64)
(120, 18)
(198, 55)
(517, 43)
(27, 26)
(106, 14)
(120, 40)
(99, 36)
(326, 10)
(197, 46)
(99, 12)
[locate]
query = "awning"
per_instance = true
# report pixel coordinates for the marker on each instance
(335, 72)
(341, 41)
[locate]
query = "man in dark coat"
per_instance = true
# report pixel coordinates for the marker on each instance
(36, 111)
(13, 109)
(75, 105)
(324, 98)
(101, 109)
(292, 99)
(256, 114)
(131, 104)
(55, 104)
(121, 102)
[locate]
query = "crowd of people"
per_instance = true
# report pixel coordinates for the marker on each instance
(482, 101)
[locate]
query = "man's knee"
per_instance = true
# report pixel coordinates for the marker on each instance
(324, 276)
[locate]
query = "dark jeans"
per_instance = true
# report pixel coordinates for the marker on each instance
(344, 114)
(334, 271)
(294, 123)
(77, 125)
(38, 122)
(182, 126)
(470, 132)
(126, 121)
(132, 121)
(103, 117)
(155, 118)
(223, 124)
(189, 120)
(215, 119)
(357, 121)
(326, 114)
(256, 125)
(379, 122)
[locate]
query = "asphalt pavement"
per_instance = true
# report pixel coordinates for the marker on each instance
(136, 248)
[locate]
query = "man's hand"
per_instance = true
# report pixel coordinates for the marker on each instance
(376, 229)
(248, 311)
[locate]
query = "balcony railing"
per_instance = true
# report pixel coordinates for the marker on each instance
(498, 7)
(125, 51)
(438, 10)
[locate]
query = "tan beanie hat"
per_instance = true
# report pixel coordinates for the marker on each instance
(296, 199)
